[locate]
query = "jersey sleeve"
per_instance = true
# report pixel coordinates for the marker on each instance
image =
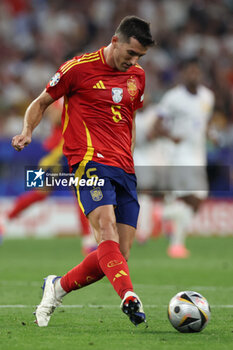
(65, 80)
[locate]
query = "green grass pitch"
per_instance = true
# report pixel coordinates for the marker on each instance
(91, 319)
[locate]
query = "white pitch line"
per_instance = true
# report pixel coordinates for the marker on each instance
(137, 285)
(21, 306)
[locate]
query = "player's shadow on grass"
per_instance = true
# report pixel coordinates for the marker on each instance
(145, 330)
(156, 331)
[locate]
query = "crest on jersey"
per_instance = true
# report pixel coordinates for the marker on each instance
(55, 79)
(96, 194)
(117, 94)
(132, 86)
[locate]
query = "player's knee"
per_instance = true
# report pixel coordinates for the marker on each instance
(108, 229)
(105, 226)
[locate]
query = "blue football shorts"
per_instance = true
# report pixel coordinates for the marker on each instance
(98, 184)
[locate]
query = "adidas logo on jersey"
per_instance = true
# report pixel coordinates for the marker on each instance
(99, 85)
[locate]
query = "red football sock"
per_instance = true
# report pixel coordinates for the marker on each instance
(115, 267)
(25, 200)
(87, 272)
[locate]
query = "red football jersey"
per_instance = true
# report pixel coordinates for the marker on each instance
(98, 109)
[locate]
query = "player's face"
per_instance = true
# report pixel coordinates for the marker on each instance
(126, 54)
(192, 74)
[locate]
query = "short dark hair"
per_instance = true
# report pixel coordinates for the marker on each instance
(132, 26)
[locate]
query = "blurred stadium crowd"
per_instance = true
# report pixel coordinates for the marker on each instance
(36, 36)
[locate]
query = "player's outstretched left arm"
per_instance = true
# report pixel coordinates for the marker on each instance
(32, 118)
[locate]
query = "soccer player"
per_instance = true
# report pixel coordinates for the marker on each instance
(102, 91)
(183, 117)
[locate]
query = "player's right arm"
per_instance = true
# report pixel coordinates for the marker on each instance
(32, 118)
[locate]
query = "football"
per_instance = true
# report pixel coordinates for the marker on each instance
(189, 312)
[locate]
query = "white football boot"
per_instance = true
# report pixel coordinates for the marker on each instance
(131, 305)
(48, 303)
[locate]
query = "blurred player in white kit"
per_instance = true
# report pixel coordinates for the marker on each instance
(178, 137)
